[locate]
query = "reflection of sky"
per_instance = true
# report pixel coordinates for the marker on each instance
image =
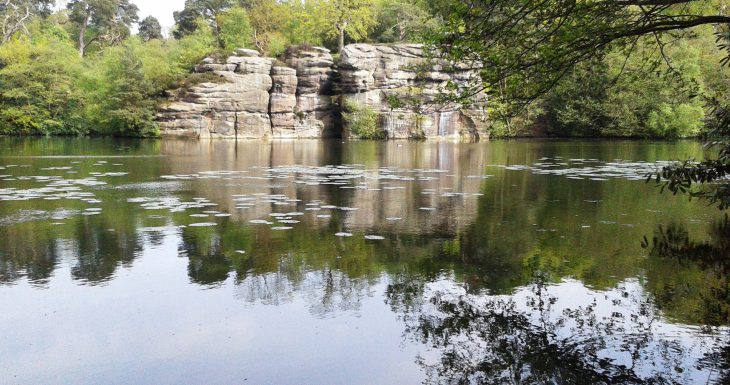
(621, 310)
(149, 325)
(152, 323)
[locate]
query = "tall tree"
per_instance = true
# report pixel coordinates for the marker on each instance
(110, 20)
(185, 22)
(150, 28)
(16, 14)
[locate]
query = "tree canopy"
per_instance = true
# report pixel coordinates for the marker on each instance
(109, 20)
(524, 49)
(527, 46)
(150, 28)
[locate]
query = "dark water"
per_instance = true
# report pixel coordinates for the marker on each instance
(319, 262)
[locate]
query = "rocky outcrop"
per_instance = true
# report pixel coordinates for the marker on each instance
(299, 96)
(316, 115)
(403, 87)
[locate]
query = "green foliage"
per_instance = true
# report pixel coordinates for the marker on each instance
(46, 88)
(235, 29)
(122, 103)
(150, 29)
(361, 120)
(642, 95)
(104, 22)
(352, 18)
(403, 21)
(684, 120)
(189, 50)
(394, 101)
(38, 84)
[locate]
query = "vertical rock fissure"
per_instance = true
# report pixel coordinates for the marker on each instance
(271, 101)
(235, 119)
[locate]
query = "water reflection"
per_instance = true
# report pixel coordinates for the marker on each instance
(561, 333)
(690, 276)
(514, 261)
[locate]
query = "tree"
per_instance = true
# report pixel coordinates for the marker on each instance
(402, 20)
(126, 106)
(38, 84)
(185, 22)
(15, 15)
(150, 28)
(618, 96)
(529, 45)
(352, 17)
(269, 22)
(523, 48)
(235, 28)
(110, 20)
(210, 10)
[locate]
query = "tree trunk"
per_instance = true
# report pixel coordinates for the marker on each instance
(341, 39)
(217, 30)
(82, 34)
(218, 36)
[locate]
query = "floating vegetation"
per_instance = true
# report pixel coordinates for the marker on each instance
(592, 169)
(202, 224)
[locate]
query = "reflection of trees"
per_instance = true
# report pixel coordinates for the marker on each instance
(27, 253)
(100, 251)
(531, 338)
(325, 291)
(96, 246)
(690, 278)
(207, 261)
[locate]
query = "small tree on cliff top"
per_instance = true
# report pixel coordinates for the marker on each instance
(352, 17)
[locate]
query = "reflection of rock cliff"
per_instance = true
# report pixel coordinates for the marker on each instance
(299, 96)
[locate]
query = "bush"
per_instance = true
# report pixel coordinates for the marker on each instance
(684, 120)
(361, 120)
(39, 84)
(235, 28)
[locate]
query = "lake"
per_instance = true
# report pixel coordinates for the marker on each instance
(328, 262)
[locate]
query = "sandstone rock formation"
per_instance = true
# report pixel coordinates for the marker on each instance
(248, 96)
(402, 87)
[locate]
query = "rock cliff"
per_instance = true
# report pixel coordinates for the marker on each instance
(300, 94)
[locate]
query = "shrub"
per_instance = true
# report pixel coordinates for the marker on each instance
(361, 120)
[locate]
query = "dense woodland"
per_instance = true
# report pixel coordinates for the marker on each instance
(81, 70)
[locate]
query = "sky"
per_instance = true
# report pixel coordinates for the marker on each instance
(161, 9)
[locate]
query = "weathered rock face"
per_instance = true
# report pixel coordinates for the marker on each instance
(402, 86)
(299, 96)
(237, 106)
(316, 115)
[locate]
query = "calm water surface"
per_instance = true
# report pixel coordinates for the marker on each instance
(315, 262)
